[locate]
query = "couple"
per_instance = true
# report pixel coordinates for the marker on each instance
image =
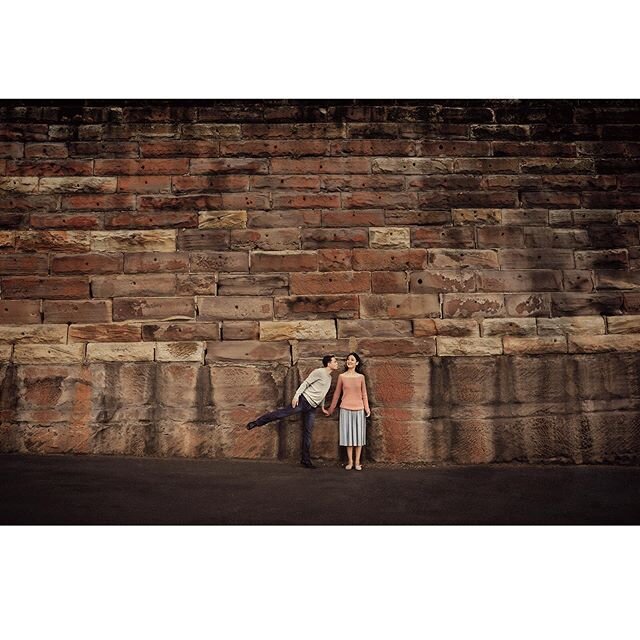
(311, 394)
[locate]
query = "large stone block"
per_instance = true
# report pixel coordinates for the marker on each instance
(180, 351)
(468, 346)
(297, 330)
(72, 311)
(153, 309)
(399, 306)
(330, 283)
(241, 330)
(59, 287)
(367, 328)
(577, 324)
(136, 241)
(316, 307)
(274, 261)
(248, 351)
(48, 353)
(389, 238)
(458, 328)
(222, 220)
(104, 333)
(235, 308)
(179, 331)
(120, 352)
(436, 281)
(390, 347)
(43, 241)
(461, 305)
(508, 327)
(516, 345)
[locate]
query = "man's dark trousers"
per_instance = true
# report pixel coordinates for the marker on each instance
(309, 414)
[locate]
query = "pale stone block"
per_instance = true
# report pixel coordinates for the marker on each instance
(602, 344)
(48, 353)
(389, 238)
(469, 346)
(120, 352)
(298, 330)
(42, 334)
(7, 239)
(5, 352)
(180, 351)
(163, 240)
(622, 324)
(78, 185)
(574, 325)
(19, 185)
(509, 327)
(222, 219)
(515, 345)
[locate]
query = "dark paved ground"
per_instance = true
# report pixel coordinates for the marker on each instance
(110, 490)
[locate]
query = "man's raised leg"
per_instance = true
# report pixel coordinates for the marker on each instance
(278, 414)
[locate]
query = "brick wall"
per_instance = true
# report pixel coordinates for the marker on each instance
(170, 269)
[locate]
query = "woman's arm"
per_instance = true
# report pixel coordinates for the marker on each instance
(336, 395)
(365, 398)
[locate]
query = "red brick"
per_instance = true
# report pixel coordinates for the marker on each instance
(120, 201)
(132, 285)
(77, 311)
(373, 148)
(453, 237)
(153, 309)
(179, 203)
(20, 312)
(144, 184)
(272, 284)
(204, 239)
(397, 305)
(28, 203)
(487, 165)
(46, 150)
(245, 201)
(105, 333)
(334, 259)
(87, 263)
(177, 148)
(273, 148)
(453, 148)
(227, 165)
(316, 307)
(334, 238)
(141, 167)
(44, 287)
(319, 166)
(389, 282)
(104, 149)
(66, 221)
(306, 201)
(330, 283)
(266, 239)
(379, 199)
(362, 183)
(381, 260)
(151, 220)
(154, 262)
(20, 263)
(11, 150)
(277, 219)
(219, 261)
(283, 261)
(196, 284)
(533, 149)
(285, 182)
(50, 168)
(373, 218)
(209, 184)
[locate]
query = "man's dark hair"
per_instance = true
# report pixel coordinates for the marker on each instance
(327, 359)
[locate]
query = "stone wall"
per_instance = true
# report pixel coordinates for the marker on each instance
(170, 269)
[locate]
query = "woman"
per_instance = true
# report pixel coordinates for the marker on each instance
(353, 408)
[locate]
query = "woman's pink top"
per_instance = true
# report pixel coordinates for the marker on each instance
(354, 393)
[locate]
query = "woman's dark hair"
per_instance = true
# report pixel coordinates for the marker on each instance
(327, 359)
(358, 361)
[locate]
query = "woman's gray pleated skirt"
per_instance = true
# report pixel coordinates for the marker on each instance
(353, 428)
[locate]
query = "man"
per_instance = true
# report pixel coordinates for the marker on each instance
(309, 396)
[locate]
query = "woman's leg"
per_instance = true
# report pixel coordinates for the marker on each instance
(350, 456)
(358, 452)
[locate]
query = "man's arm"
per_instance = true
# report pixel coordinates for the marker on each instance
(306, 383)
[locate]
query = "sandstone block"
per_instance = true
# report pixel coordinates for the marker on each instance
(120, 352)
(87, 263)
(154, 309)
(334, 260)
(45, 287)
(528, 305)
(389, 282)
(330, 283)
(235, 308)
(20, 312)
(47, 334)
(622, 324)
(417, 166)
(156, 262)
(48, 353)
(603, 344)
(585, 304)
(367, 328)
(512, 237)
(388, 260)
(389, 238)
(146, 166)
(196, 284)
(78, 185)
(144, 184)
(6, 352)
(424, 327)
(572, 325)
(390, 347)
(241, 330)
(468, 346)
(76, 311)
(282, 239)
(519, 280)
(43, 241)
(253, 285)
(460, 305)
(578, 280)
(316, 350)
(476, 216)
(222, 219)
(219, 261)
(617, 279)
(436, 281)
(399, 306)
(283, 261)
(343, 218)
(19, 185)
(298, 330)
(334, 238)
(180, 351)
(178, 331)
(508, 327)
(133, 285)
(316, 307)
(7, 239)
(23, 264)
(209, 184)
(514, 345)
(536, 259)
(450, 237)
(203, 239)
(248, 351)
(104, 333)
(603, 259)
(164, 240)
(454, 259)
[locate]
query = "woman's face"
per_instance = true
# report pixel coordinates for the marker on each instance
(351, 362)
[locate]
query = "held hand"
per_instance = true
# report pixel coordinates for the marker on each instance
(294, 403)
(326, 413)
(368, 414)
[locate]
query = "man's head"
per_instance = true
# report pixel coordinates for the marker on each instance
(330, 362)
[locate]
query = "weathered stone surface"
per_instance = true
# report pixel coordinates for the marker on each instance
(318, 349)
(20, 312)
(461, 305)
(155, 262)
(153, 309)
(532, 305)
(156, 240)
(436, 281)
(452, 259)
(459, 328)
(271, 261)
(298, 330)
(6, 352)
(378, 328)
(573, 325)
(180, 351)
(468, 346)
(389, 347)
(508, 327)
(120, 352)
(389, 238)
(104, 333)
(47, 334)
(235, 308)
(602, 344)
(399, 306)
(48, 353)
(519, 280)
(178, 331)
(222, 219)
(330, 283)
(76, 310)
(389, 282)
(248, 351)
(15, 287)
(77, 185)
(388, 260)
(69, 241)
(87, 263)
(219, 261)
(316, 307)
(534, 344)
(583, 304)
(241, 330)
